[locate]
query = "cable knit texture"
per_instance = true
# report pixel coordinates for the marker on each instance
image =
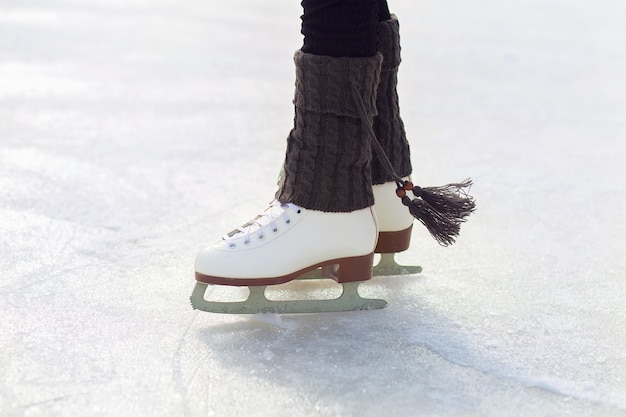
(388, 125)
(328, 157)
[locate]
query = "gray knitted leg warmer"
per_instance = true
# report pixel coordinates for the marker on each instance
(388, 125)
(328, 157)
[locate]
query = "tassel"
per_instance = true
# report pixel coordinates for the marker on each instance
(440, 209)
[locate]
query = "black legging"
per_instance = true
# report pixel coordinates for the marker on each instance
(342, 27)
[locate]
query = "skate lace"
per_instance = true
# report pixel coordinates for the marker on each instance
(262, 224)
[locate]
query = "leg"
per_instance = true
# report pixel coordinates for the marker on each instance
(441, 209)
(395, 222)
(326, 188)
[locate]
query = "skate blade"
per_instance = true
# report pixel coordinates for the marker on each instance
(257, 302)
(388, 266)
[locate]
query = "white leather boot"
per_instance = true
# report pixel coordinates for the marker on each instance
(395, 222)
(395, 225)
(281, 244)
(285, 241)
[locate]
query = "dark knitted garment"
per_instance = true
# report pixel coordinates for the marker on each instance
(327, 162)
(388, 125)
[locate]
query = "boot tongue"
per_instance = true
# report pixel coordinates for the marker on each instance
(274, 211)
(252, 222)
(246, 228)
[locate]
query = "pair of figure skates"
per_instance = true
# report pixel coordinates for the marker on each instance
(346, 164)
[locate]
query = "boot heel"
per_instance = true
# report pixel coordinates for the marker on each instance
(356, 268)
(394, 242)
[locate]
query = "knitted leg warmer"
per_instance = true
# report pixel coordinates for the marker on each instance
(388, 125)
(328, 157)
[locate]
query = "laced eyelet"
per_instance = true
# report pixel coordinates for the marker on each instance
(275, 230)
(247, 242)
(232, 245)
(261, 237)
(288, 221)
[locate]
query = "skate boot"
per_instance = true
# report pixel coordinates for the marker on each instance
(322, 216)
(395, 222)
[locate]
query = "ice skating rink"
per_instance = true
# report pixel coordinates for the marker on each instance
(134, 132)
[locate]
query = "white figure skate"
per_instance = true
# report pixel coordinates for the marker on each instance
(280, 245)
(395, 225)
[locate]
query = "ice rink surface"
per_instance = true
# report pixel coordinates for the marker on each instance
(134, 132)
